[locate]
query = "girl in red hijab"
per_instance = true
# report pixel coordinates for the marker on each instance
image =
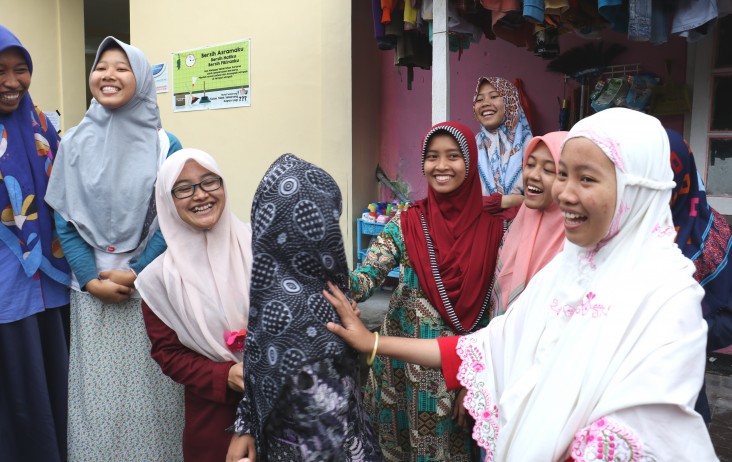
(446, 247)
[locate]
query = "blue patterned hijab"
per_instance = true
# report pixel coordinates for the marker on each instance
(702, 233)
(28, 143)
(501, 151)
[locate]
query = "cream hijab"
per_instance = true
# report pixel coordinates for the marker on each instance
(200, 286)
(609, 337)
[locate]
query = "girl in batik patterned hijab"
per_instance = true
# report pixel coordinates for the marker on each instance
(302, 399)
(504, 133)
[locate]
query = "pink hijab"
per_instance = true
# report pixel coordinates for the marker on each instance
(535, 237)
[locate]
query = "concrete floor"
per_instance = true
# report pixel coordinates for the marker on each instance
(719, 392)
(718, 379)
(373, 309)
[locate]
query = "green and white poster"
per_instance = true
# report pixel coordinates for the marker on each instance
(214, 77)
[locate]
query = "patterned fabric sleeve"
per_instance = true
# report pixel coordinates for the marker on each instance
(473, 373)
(383, 256)
(607, 440)
(243, 423)
(322, 418)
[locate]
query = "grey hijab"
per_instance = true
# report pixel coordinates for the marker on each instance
(104, 174)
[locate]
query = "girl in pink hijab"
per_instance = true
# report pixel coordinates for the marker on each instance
(537, 232)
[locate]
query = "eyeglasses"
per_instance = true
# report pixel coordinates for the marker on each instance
(187, 190)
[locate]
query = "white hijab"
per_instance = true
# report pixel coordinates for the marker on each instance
(200, 286)
(611, 335)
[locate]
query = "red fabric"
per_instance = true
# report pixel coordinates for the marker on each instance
(524, 100)
(210, 405)
(450, 361)
(492, 205)
(387, 6)
(465, 238)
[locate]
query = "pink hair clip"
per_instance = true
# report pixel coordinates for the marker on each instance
(235, 340)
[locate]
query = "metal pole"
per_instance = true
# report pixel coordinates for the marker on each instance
(440, 63)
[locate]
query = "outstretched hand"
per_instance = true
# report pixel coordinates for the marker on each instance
(353, 331)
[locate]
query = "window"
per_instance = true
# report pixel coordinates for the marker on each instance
(711, 121)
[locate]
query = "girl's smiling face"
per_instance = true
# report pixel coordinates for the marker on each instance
(585, 189)
(15, 78)
(444, 165)
(539, 174)
(203, 209)
(112, 81)
(489, 107)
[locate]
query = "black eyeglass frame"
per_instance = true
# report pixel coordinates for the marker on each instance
(193, 187)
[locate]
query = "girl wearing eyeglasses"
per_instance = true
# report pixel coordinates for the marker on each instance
(121, 405)
(196, 299)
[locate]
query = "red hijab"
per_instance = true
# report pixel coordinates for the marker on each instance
(452, 242)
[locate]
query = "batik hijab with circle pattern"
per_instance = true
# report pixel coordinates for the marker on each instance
(297, 247)
(501, 151)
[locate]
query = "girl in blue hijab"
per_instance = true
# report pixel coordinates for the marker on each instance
(34, 292)
(703, 235)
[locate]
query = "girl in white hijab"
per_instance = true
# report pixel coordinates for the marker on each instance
(602, 356)
(196, 298)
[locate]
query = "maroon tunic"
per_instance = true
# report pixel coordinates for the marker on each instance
(210, 405)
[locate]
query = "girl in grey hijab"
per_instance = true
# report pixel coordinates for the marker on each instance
(121, 406)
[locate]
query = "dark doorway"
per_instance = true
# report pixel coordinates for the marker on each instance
(103, 18)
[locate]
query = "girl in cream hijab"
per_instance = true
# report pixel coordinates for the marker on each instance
(196, 298)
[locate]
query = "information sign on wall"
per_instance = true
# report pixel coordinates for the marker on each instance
(215, 77)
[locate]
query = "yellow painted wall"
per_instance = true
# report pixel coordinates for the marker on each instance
(300, 85)
(303, 59)
(53, 33)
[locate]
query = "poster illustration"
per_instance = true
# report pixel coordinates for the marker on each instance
(160, 75)
(215, 77)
